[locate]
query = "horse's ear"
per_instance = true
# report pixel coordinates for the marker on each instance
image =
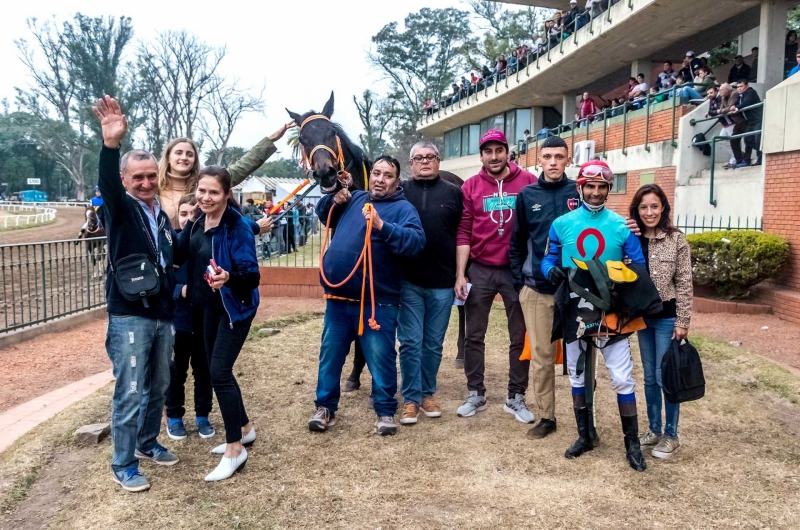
(328, 109)
(294, 116)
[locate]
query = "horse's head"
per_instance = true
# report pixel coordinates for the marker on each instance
(92, 221)
(321, 145)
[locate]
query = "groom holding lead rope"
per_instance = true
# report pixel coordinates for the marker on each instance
(361, 273)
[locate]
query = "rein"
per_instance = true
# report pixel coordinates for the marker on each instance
(365, 251)
(307, 161)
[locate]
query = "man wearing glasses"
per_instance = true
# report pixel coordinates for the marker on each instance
(428, 282)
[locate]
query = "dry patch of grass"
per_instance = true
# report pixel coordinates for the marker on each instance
(738, 467)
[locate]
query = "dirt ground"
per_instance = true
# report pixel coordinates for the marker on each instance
(67, 226)
(778, 342)
(737, 467)
(51, 361)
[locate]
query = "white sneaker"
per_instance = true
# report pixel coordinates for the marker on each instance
(666, 447)
(247, 439)
(519, 409)
(227, 467)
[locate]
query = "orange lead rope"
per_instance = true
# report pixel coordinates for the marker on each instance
(367, 265)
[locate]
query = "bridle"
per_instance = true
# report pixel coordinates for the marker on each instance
(342, 174)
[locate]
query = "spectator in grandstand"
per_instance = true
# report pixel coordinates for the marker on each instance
(752, 117)
(500, 67)
(428, 107)
(754, 66)
(684, 92)
(511, 67)
(553, 33)
(454, 96)
(139, 328)
(666, 78)
(639, 91)
(483, 240)
(594, 8)
(466, 85)
(690, 66)
(475, 79)
(796, 68)
(704, 80)
(631, 87)
(574, 19)
(739, 70)
(790, 51)
(538, 43)
(586, 109)
(487, 75)
(656, 96)
(668, 260)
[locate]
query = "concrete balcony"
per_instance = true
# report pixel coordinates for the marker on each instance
(598, 57)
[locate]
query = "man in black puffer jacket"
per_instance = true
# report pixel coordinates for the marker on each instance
(538, 205)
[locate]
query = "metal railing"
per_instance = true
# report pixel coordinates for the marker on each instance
(45, 281)
(606, 114)
(713, 142)
(694, 225)
(294, 244)
(465, 94)
(46, 215)
(52, 204)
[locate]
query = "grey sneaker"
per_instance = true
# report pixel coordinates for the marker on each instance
(518, 408)
(386, 425)
(131, 480)
(666, 447)
(649, 438)
(473, 404)
(159, 454)
(322, 420)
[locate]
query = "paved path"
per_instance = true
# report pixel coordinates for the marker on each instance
(19, 420)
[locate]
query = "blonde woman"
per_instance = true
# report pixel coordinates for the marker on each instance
(180, 166)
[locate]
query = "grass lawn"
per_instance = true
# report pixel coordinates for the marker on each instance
(737, 468)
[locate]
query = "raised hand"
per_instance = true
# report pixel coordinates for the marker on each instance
(112, 121)
(277, 135)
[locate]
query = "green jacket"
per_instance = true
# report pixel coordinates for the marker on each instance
(251, 161)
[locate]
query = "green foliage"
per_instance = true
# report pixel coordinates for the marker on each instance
(505, 29)
(376, 114)
(229, 156)
(793, 20)
(723, 53)
(735, 260)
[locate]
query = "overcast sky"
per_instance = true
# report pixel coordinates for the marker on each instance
(299, 50)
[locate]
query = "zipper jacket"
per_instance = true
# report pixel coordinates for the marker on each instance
(233, 249)
(488, 219)
(538, 205)
(129, 233)
(439, 205)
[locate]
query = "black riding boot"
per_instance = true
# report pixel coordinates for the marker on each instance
(633, 451)
(593, 436)
(583, 443)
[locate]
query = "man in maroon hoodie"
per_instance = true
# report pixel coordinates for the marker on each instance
(484, 237)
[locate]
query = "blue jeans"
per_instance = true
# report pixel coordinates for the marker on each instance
(421, 327)
(340, 329)
(686, 92)
(139, 349)
(654, 342)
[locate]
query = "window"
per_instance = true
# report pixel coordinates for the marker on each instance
(523, 122)
(510, 127)
(474, 139)
(465, 140)
(620, 184)
(452, 144)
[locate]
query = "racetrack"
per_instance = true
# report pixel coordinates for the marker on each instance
(67, 226)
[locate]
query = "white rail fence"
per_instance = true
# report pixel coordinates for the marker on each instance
(40, 214)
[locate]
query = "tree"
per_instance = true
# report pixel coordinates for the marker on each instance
(69, 68)
(178, 73)
(423, 58)
(223, 109)
(793, 21)
(225, 158)
(505, 28)
(376, 115)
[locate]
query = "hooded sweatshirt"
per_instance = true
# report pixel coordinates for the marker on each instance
(400, 237)
(488, 220)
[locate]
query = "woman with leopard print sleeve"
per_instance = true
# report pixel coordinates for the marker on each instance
(669, 263)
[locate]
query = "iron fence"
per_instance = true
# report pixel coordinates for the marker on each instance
(293, 244)
(696, 224)
(48, 280)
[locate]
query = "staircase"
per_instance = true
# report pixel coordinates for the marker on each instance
(739, 193)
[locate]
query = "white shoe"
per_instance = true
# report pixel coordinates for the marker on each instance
(227, 467)
(247, 440)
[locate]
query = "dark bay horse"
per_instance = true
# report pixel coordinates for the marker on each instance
(91, 231)
(328, 153)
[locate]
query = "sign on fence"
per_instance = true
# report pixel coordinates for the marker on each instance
(34, 182)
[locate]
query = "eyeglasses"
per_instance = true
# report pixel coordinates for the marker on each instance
(420, 159)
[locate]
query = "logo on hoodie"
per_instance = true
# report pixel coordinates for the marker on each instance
(499, 204)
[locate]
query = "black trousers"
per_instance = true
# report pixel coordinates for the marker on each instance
(736, 144)
(189, 349)
(223, 345)
(753, 142)
(462, 330)
(359, 362)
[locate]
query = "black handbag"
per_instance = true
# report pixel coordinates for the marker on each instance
(682, 373)
(136, 277)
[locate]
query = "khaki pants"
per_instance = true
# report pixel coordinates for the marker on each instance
(537, 309)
